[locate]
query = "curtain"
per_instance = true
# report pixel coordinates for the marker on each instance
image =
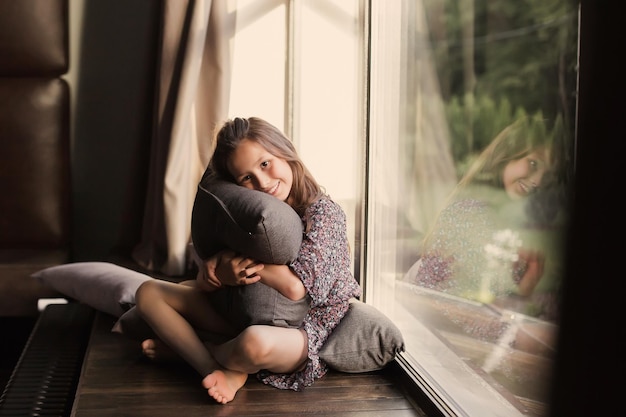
(191, 98)
(431, 174)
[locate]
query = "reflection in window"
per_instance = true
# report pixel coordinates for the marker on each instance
(468, 190)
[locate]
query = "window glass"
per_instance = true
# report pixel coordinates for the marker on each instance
(258, 53)
(471, 134)
(328, 78)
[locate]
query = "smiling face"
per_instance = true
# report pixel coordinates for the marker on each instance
(521, 177)
(255, 168)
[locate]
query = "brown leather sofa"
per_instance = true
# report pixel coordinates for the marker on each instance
(35, 207)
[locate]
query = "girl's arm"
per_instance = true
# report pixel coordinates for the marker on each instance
(234, 269)
(534, 262)
(283, 280)
(323, 263)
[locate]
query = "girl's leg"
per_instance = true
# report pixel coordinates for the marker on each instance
(156, 349)
(167, 307)
(276, 349)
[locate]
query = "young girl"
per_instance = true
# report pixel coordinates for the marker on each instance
(256, 155)
(482, 246)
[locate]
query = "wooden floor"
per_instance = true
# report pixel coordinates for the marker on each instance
(117, 381)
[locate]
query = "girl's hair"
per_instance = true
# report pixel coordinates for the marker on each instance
(515, 141)
(305, 189)
(519, 139)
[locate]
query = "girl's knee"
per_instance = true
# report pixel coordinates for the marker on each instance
(274, 349)
(255, 344)
(145, 292)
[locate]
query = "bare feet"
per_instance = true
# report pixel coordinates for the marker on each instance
(158, 351)
(222, 385)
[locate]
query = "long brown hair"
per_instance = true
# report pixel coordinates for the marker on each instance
(304, 190)
(517, 140)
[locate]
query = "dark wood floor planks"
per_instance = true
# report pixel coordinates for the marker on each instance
(117, 381)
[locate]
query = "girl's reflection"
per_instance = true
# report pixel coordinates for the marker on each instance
(485, 245)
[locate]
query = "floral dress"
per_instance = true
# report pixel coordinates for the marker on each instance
(323, 265)
(457, 259)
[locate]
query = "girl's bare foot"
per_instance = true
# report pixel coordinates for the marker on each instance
(158, 351)
(222, 385)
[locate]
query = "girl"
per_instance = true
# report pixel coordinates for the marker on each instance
(477, 248)
(256, 155)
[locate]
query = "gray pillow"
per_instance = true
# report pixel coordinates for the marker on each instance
(226, 215)
(258, 303)
(104, 286)
(365, 340)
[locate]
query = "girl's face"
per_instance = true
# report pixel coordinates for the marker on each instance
(522, 176)
(254, 167)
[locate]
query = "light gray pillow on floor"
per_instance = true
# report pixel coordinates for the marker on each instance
(105, 286)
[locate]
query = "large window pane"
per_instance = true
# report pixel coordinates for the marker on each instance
(259, 51)
(328, 75)
(471, 138)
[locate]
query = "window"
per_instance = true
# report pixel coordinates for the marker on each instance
(472, 110)
(392, 104)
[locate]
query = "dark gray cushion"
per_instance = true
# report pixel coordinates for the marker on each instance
(257, 303)
(226, 215)
(365, 340)
(241, 306)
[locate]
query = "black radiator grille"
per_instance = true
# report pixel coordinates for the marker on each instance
(44, 380)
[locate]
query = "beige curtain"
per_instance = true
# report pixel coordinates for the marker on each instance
(193, 79)
(431, 172)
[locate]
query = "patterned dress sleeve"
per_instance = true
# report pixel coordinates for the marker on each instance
(323, 263)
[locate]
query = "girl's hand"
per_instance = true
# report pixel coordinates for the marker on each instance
(234, 269)
(206, 279)
(534, 261)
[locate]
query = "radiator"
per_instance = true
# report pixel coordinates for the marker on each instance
(44, 380)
